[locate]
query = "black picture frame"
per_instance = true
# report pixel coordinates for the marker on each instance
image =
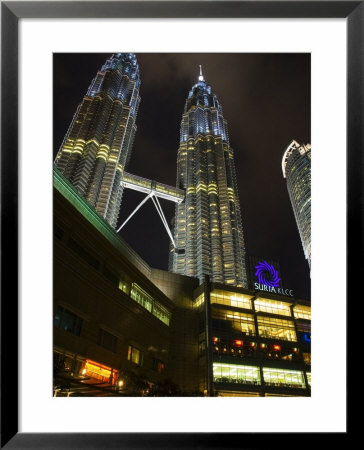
(11, 12)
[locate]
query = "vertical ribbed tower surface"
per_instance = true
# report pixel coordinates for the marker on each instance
(98, 143)
(208, 223)
(296, 167)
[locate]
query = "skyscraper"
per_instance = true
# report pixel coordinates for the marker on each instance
(208, 223)
(296, 167)
(97, 145)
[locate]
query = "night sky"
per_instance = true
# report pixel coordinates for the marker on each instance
(266, 100)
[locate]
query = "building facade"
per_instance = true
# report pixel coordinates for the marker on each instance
(253, 343)
(122, 328)
(98, 143)
(207, 227)
(296, 167)
(112, 326)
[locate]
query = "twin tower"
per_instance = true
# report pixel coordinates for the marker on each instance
(208, 235)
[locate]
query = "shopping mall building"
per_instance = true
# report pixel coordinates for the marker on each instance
(124, 328)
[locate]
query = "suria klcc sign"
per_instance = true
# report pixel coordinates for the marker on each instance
(268, 279)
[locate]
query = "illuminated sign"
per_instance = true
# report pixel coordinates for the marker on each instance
(268, 279)
(267, 274)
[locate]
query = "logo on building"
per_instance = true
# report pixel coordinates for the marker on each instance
(267, 274)
(268, 279)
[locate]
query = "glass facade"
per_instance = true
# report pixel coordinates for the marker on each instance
(150, 304)
(272, 328)
(283, 377)
(208, 223)
(302, 312)
(97, 146)
(226, 320)
(243, 374)
(272, 306)
(296, 166)
(231, 299)
(234, 373)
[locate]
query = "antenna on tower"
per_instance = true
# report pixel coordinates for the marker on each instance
(201, 76)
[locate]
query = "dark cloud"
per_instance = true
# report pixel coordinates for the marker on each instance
(266, 101)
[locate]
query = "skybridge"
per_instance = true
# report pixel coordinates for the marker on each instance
(161, 190)
(154, 190)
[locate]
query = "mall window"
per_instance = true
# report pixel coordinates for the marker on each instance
(272, 306)
(135, 355)
(124, 286)
(279, 352)
(283, 377)
(225, 320)
(153, 306)
(302, 312)
(234, 373)
(67, 321)
(231, 299)
(161, 312)
(199, 301)
(107, 340)
(236, 348)
(140, 296)
(272, 328)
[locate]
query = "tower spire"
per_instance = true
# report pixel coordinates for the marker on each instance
(200, 78)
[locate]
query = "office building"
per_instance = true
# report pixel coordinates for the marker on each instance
(97, 145)
(207, 228)
(296, 167)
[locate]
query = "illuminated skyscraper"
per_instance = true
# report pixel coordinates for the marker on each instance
(98, 143)
(207, 229)
(296, 166)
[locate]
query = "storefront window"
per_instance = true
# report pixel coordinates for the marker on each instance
(231, 299)
(269, 327)
(234, 373)
(272, 306)
(105, 374)
(225, 320)
(302, 312)
(283, 377)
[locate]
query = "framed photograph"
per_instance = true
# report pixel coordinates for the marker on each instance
(307, 56)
